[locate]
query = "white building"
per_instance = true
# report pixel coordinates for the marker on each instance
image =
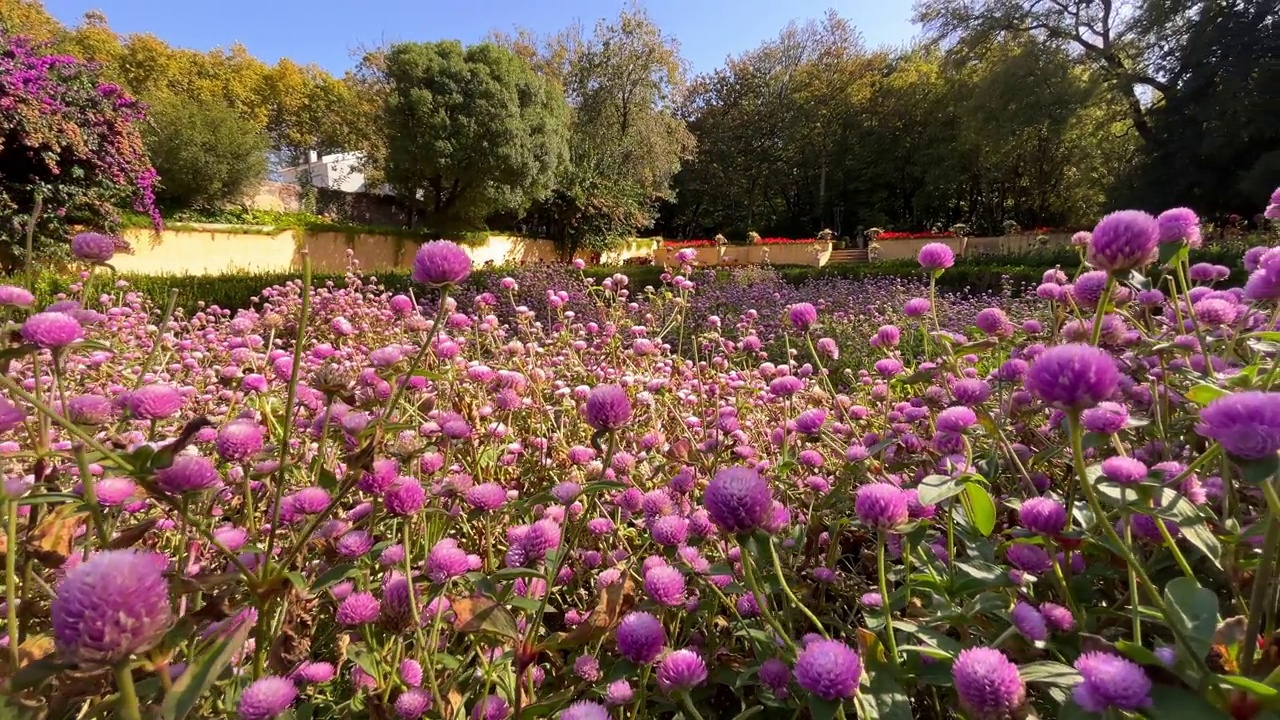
(340, 171)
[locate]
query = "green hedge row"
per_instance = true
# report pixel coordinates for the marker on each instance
(977, 274)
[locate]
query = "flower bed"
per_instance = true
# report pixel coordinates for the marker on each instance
(547, 495)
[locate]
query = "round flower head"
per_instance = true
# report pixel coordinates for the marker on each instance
(1081, 239)
(607, 408)
(94, 247)
(1247, 424)
(440, 263)
(916, 307)
(992, 321)
(1124, 241)
(11, 416)
(1042, 515)
(829, 669)
(1028, 621)
(1110, 681)
(240, 440)
(111, 606)
(154, 402)
(640, 638)
(413, 703)
(266, 698)
(52, 330)
(93, 410)
(585, 710)
(358, 608)
(1179, 225)
(738, 500)
(936, 256)
(882, 505)
(802, 316)
(188, 473)
(1123, 470)
(956, 419)
(14, 296)
(1072, 377)
(681, 670)
(665, 585)
(446, 561)
(988, 684)
(1107, 418)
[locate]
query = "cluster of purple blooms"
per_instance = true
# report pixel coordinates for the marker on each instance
(626, 499)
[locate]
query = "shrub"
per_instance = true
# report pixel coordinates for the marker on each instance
(205, 152)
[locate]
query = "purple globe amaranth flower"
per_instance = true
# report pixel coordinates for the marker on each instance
(188, 473)
(1043, 515)
(314, 672)
(992, 321)
(111, 606)
(1247, 424)
(586, 710)
(154, 402)
(1124, 241)
(1123, 470)
(988, 684)
(92, 410)
(413, 703)
(1107, 418)
(681, 670)
(802, 316)
(11, 416)
(1073, 376)
(1110, 682)
(1028, 621)
(52, 330)
(775, 674)
(607, 408)
(738, 500)
(883, 506)
(239, 440)
(786, 386)
(266, 698)
(619, 692)
(440, 263)
(14, 296)
(1028, 558)
(935, 257)
(446, 561)
(358, 608)
(1179, 225)
(640, 638)
(665, 585)
(1057, 617)
(486, 496)
(916, 307)
(94, 247)
(956, 419)
(406, 496)
(829, 669)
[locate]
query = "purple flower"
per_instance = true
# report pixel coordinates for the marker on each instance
(314, 672)
(266, 698)
(1042, 515)
(971, 392)
(738, 500)
(881, 505)
(665, 585)
(640, 638)
(670, 530)
(916, 307)
(1247, 424)
(1123, 470)
(446, 561)
(188, 473)
(413, 703)
(619, 692)
(936, 256)
(441, 263)
(988, 684)
(14, 296)
(681, 670)
(52, 330)
(829, 669)
(587, 668)
(94, 247)
(11, 416)
(111, 606)
(956, 419)
(802, 316)
(607, 407)
(92, 410)
(1073, 376)
(411, 672)
(786, 386)
(1107, 418)
(587, 710)
(1110, 681)
(992, 321)
(1028, 621)
(486, 496)
(239, 440)
(406, 496)
(154, 402)
(1124, 241)
(775, 675)
(358, 608)
(1179, 225)
(1058, 618)
(810, 421)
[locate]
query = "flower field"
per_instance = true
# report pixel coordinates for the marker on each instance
(720, 497)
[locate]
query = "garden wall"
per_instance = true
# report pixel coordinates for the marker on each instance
(221, 249)
(907, 249)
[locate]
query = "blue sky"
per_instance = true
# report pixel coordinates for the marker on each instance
(327, 31)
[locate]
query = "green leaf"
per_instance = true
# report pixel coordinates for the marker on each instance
(34, 674)
(1195, 610)
(1137, 653)
(1175, 703)
(1250, 686)
(749, 712)
(1173, 253)
(1174, 506)
(886, 699)
(1203, 394)
(515, 573)
(932, 652)
(202, 673)
(479, 614)
(1257, 472)
(333, 576)
(1050, 673)
(982, 508)
(820, 709)
(936, 488)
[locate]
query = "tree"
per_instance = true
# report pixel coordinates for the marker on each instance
(469, 132)
(205, 152)
(69, 142)
(626, 142)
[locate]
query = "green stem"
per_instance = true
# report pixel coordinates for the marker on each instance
(687, 703)
(782, 580)
(762, 600)
(881, 541)
(1261, 583)
(11, 580)
(1102, 309)
(127, 705)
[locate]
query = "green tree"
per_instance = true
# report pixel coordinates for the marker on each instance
(205, 152)
(468, 132)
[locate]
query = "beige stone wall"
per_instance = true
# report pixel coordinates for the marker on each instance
(1009, 244)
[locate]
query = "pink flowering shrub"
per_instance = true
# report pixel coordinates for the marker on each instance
(553, 497)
